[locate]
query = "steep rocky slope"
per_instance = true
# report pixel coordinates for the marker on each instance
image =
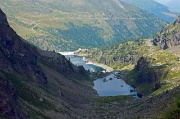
(39, 84)
(69, 25)
(9, 102)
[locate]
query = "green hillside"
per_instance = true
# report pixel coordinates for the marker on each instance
(119, 55)
(69, 25)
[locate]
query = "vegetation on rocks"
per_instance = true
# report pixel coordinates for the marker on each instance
(119, 55)
(169, 36)
(155, 73)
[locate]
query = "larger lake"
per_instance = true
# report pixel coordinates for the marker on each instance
(112, 86)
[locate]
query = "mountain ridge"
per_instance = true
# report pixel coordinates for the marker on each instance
(174, 4)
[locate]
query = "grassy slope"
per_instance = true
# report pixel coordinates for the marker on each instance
(53, 25)
(120, 55)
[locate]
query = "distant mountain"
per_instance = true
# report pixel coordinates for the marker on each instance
(174, 4)
(69, 25)
(155, 8)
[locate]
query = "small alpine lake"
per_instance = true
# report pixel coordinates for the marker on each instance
(113, 86)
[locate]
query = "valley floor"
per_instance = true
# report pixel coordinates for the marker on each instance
(124, 107)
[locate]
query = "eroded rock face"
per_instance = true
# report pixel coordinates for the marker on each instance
(9, 103)
(166, 43)
(148, 73)
(16, 55)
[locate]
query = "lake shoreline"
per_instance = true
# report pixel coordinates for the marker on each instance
(107, 68)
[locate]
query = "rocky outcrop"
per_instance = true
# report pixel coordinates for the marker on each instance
(177, 21)
(149, 74)
(166, 43)
(168, 36)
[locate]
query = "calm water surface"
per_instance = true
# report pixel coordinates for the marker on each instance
(111, 86)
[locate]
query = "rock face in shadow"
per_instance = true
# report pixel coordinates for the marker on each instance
(148, 73)
(18, 56)
(30, 74)
(9, 103)
(169, 36)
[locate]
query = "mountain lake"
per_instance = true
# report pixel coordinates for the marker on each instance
(106, 86)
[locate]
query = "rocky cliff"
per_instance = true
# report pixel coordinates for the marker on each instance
(169, 36)
(155, 72)
(148, 73)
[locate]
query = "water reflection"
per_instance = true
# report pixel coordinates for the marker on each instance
(112, 86)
